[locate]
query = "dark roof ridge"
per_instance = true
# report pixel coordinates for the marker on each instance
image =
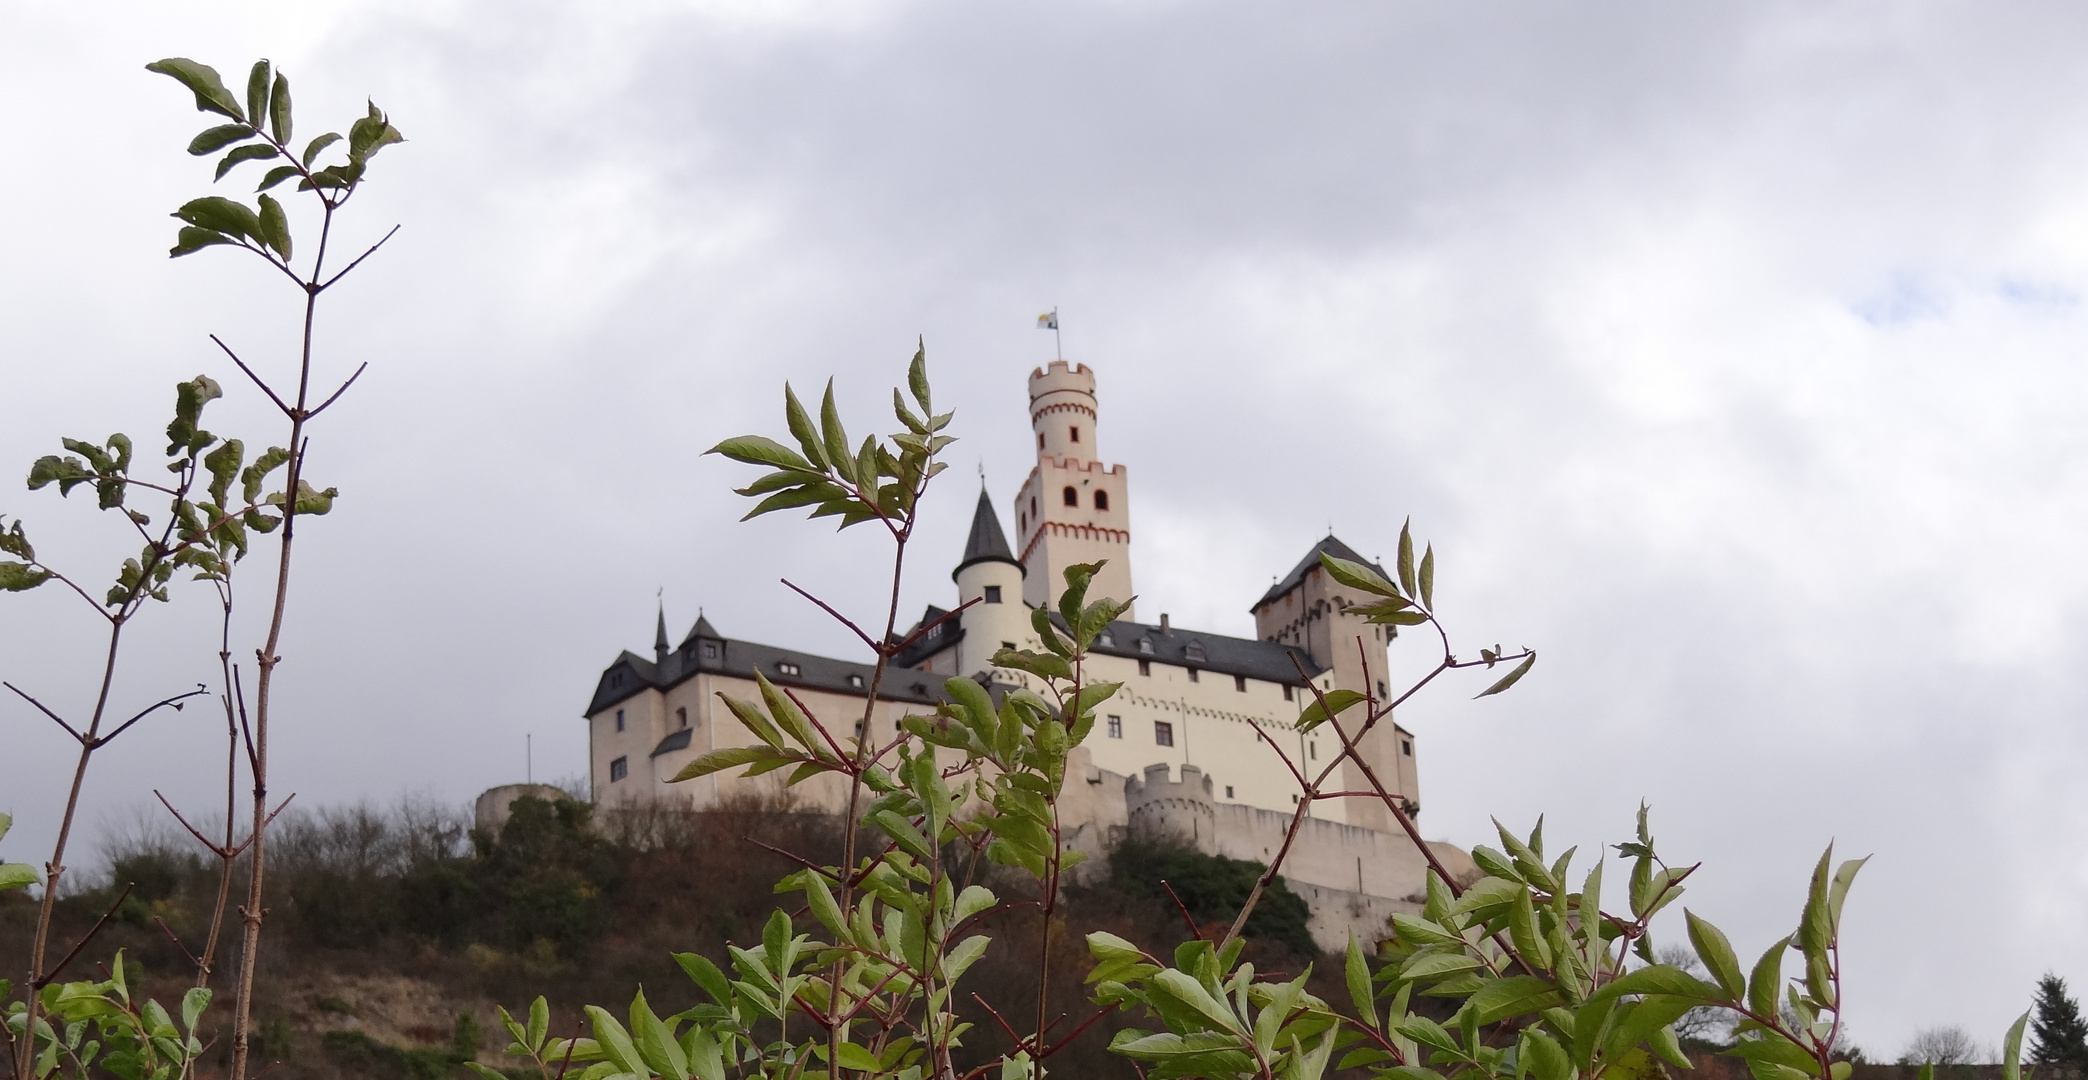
(1331, 545)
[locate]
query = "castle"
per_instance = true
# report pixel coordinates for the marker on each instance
(1172, 752)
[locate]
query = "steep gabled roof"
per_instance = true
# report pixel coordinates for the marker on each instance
(631, 674)
(1330, 546)
(1263, 660)
(987, 543)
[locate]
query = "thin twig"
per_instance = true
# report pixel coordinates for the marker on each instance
(250, 374)
(174, 701)
(941, 619)
(169, 931)
(45, 979)
(356, 263)
(40, 708)
(829, 609)
(798, 859)
(1183, 908)
(1076, 1032)
(344, 389)
(220, 852)
(1021, 1043)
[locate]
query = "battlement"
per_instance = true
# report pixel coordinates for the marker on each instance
(1183, 810)
(1059, 377)
(1074, 464)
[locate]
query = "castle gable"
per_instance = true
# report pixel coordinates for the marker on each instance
(1311, 561)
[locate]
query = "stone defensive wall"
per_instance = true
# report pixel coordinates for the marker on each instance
(1354, 878)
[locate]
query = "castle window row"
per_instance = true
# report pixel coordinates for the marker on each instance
(1071, 497)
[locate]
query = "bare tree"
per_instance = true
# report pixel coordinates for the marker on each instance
(1945, 1045)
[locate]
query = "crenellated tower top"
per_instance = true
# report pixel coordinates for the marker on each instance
(1062, 411)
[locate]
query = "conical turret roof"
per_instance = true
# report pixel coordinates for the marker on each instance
(987, 542)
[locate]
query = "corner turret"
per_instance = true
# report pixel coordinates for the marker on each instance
(990, 574)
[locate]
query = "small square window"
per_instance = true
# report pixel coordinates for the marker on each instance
(619, 769)
(1116, 727)
(1406, 746)
(1107, 640)
(1145, 667)
(1008, 645)
(1228, 791)
(785, 667)
(619, 719)
(710, 650)
(993, 594)
(1163, 733)
(1240, 683)
(856, 681)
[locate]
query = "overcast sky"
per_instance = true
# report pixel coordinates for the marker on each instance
(1730, 355)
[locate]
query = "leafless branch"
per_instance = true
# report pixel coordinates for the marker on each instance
(40, 708)
(219, 851)
(331, 398)
(1183, 908)
(828, 608)
(250, 374)
(358, 262)
(45, 979)
(173, 702)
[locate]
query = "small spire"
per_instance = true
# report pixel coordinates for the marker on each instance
(987, 543)
(660, 631)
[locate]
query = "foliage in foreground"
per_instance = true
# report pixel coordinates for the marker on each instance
(1540, 978)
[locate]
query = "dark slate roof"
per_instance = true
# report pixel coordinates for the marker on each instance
(1330, 546)
(632, 674)
(678, 740)
(1264, 660)
(987, 543)
(702, 629)
(934, 641)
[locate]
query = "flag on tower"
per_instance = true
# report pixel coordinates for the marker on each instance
(1048, 320)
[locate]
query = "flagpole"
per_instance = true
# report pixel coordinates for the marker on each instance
(1057, 343)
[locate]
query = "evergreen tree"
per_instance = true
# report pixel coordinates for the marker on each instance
(2058, 1034)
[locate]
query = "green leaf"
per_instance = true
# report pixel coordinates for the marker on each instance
(15, 875)
(1844, 877)
(203, 80)
(1766, 986)
(312, 149)
(1717, 954)
(369, 135)
(1543, 1056)
(192, 239)
(700, 971)
(655, 1041)
(192, 1005)
(1515, 995)
(275, 226)
(800, 424)
(917, 377)
(1357, 576)
(857, 1058)
(1406, 557)
(721, 759)
(615, 1041)
(834, 441)
(257, 92)
(279, 109)
(540, 1022)
(276, 176)
(1357, 972)
(1509, 679)
(219, 137)
(1428, 578)
(20, 577)
(1317, 713)
(249, 152)
(2012, 1050)
(220, 214)
(760, 450)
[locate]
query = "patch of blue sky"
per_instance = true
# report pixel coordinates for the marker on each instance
(1906, 299)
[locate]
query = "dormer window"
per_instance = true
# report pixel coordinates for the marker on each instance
(1195, 651)
(1145, 645)
(710, 650)
(785, 667)
(1071, 497)
(856, 681)
(1107, 639)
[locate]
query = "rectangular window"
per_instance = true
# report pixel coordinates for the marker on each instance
(785, 667)
(1287, 694)
(1192, 676)
(1145, 667)
(1163, 733)
(1228, 791)
(1116, 727)
(1240, 683)
(619, 719)
(710, 650)
(993, 594)
(1381, 690)
(1406, 746)
(1008, 645)
(619, 769)
(681, 718)
(1313, 749)
(1076, 434)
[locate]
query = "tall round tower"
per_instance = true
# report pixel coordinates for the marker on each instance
(990, 574)
(1073, 509)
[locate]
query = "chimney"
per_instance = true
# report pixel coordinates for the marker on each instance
(1164, 628)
